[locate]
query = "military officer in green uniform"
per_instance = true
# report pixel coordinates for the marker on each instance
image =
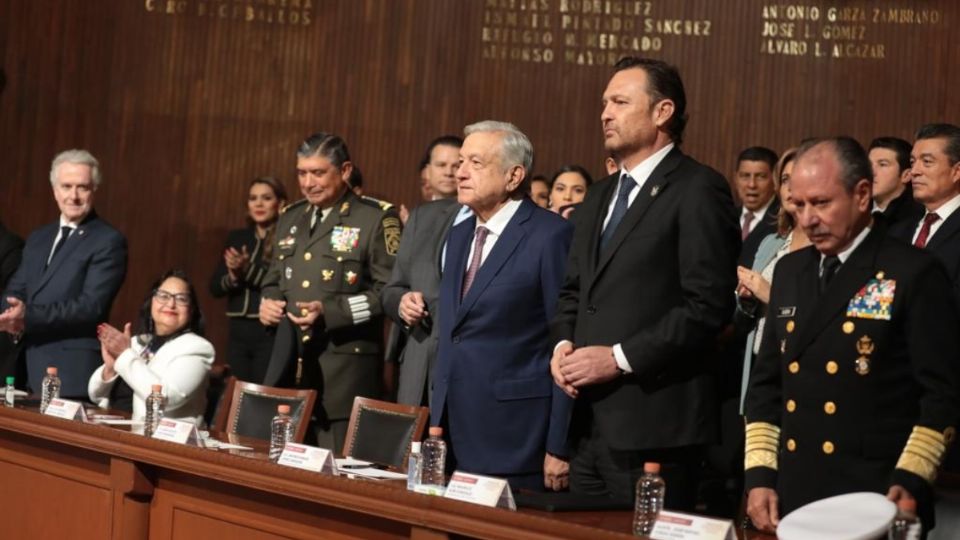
(334, 252)
(856, 384)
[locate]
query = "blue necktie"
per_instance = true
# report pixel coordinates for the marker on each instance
(619, 209)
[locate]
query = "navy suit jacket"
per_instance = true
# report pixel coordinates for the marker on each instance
(492, 373)
(66, 300)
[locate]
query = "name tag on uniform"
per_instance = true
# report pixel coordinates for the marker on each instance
(788, 311)
(345, 238)
(874, 300)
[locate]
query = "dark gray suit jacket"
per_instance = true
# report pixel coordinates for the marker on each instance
(418, 269)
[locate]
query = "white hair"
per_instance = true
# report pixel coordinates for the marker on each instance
(515, 148)
(77, 157)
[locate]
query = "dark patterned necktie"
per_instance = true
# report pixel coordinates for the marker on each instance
(627, 183)
(480, 236)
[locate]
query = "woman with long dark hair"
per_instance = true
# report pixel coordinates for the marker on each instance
(168, 350)
(246, 259)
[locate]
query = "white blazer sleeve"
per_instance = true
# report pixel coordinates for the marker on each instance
(180, 365)
(99, 389)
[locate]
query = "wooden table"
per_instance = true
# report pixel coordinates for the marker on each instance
(65, 479)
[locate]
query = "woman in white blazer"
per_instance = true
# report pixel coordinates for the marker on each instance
(168, 350)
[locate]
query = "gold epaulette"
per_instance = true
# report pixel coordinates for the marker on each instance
(761, 445)
(383, 205)
(924, 451)
(292, 205)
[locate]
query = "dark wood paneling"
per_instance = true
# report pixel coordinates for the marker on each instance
(183, 110)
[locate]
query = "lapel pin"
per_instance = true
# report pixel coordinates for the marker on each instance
(655, 191)
(293, 230)
(80, 232)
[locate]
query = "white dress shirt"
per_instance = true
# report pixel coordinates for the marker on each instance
(757, 214)
(63, 223)
(496, 224)
(845, 254)
(640, 174)
(945, 210)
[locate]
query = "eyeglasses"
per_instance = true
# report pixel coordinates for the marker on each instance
(164, 297)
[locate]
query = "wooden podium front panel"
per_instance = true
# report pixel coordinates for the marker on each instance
(186, 507)
(53, 491)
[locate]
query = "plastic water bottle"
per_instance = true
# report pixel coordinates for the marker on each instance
(281, 431)
(414, 466)
(906, 525)
(649, 501)
(49, 388)
(8, 395)
(155, 403)
(434, 460)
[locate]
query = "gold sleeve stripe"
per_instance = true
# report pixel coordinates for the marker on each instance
(763, 427)
(758, 458)
(923, 453)
(761, 445)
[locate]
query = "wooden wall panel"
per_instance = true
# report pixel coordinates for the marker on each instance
(183, 108)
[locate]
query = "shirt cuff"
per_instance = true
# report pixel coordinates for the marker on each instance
(621, 359)
(562, 342)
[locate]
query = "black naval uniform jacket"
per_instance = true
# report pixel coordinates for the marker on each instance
(344, 263)
(855, 389)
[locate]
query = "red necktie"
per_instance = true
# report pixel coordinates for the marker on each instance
(479, 238)
(928, 221)
(745, 228)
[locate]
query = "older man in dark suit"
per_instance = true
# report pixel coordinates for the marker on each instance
(649, 285)
(70, 273)
(504, 265)
(935, 176)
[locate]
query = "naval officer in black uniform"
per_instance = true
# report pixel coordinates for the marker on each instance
(855, 388)
(334, 252)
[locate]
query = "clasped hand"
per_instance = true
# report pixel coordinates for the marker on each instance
(575, 368)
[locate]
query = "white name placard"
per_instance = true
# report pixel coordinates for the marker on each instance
(66, 409)
(482, 490)
(308, 458)
(677, 526)
(178, 432)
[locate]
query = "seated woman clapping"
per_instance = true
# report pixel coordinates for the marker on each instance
(168, 350)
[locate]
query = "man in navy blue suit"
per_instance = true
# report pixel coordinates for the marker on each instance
(492, 388)
(70, 273)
